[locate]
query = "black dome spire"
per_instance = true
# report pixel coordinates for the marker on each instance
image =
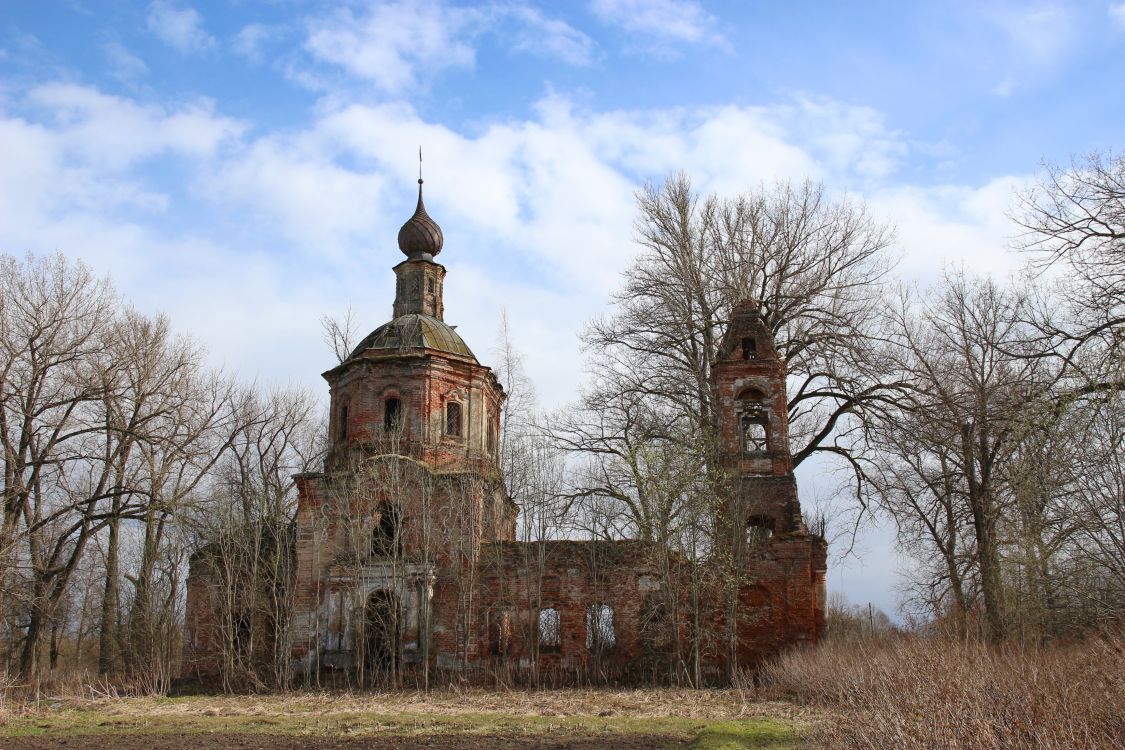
(420, 237)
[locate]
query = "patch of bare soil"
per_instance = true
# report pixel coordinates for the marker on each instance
(281, 742)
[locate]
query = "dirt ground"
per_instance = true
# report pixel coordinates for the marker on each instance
(281, 742)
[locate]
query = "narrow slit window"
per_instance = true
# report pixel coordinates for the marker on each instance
(343, 426)
(392, 415)
(453, 419)
(491, 436)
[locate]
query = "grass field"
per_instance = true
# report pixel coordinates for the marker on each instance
(489, 720)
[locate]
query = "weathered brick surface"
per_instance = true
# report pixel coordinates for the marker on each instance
(520, 579)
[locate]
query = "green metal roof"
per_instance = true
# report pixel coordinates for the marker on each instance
(413, 332)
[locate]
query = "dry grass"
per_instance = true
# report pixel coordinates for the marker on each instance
(640, 703)
(610, 718)
(918, 693)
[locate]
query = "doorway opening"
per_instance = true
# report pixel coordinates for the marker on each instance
(383, 634)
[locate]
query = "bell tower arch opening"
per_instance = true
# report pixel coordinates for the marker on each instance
(753, 422)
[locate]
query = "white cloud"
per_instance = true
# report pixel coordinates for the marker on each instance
(1004, 87)
(79, 159)
(666, 20)
(1040, 33)
(180, 28)
(543, 36)
(398, 45)
(1117, 14)
(114, 132)
(393, 41)
(123, 64)
(250, 41)
(952, 225)
(537, 212)
(295, 190)
(1034, 39)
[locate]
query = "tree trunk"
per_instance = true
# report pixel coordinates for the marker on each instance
(29, 654)
(107, 630)
(984, 525)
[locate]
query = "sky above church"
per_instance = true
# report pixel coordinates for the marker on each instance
(244, 166)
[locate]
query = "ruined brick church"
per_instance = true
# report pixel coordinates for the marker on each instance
(406, 548)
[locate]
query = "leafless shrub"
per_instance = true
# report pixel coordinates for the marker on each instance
(910, 692)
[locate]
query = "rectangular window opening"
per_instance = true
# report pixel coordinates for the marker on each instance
(392, 415)
(499, 632)
(453, 419)
(599, 627)
(753, 436)
(550, 637)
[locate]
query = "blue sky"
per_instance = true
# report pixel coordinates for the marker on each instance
(244, 166)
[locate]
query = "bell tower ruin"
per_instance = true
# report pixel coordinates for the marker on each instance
(780, 566)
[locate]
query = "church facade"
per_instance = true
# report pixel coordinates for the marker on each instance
(406, 550)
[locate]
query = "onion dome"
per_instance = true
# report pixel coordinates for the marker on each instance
(420, 237)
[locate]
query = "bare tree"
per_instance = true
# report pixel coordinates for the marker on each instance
(1075, 219)
(631, 450)
(1096, 503)
(974, 396)
(243, 531)
(815, 265)
(340, 334)
(56, 325)
(105, 419)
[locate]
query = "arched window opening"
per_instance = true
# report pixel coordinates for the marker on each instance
(241, 633)
(749, 347)
(453, 419)
(599, 627)
(550, 634)
(342, 424)
(392, 415)
(386, 536)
